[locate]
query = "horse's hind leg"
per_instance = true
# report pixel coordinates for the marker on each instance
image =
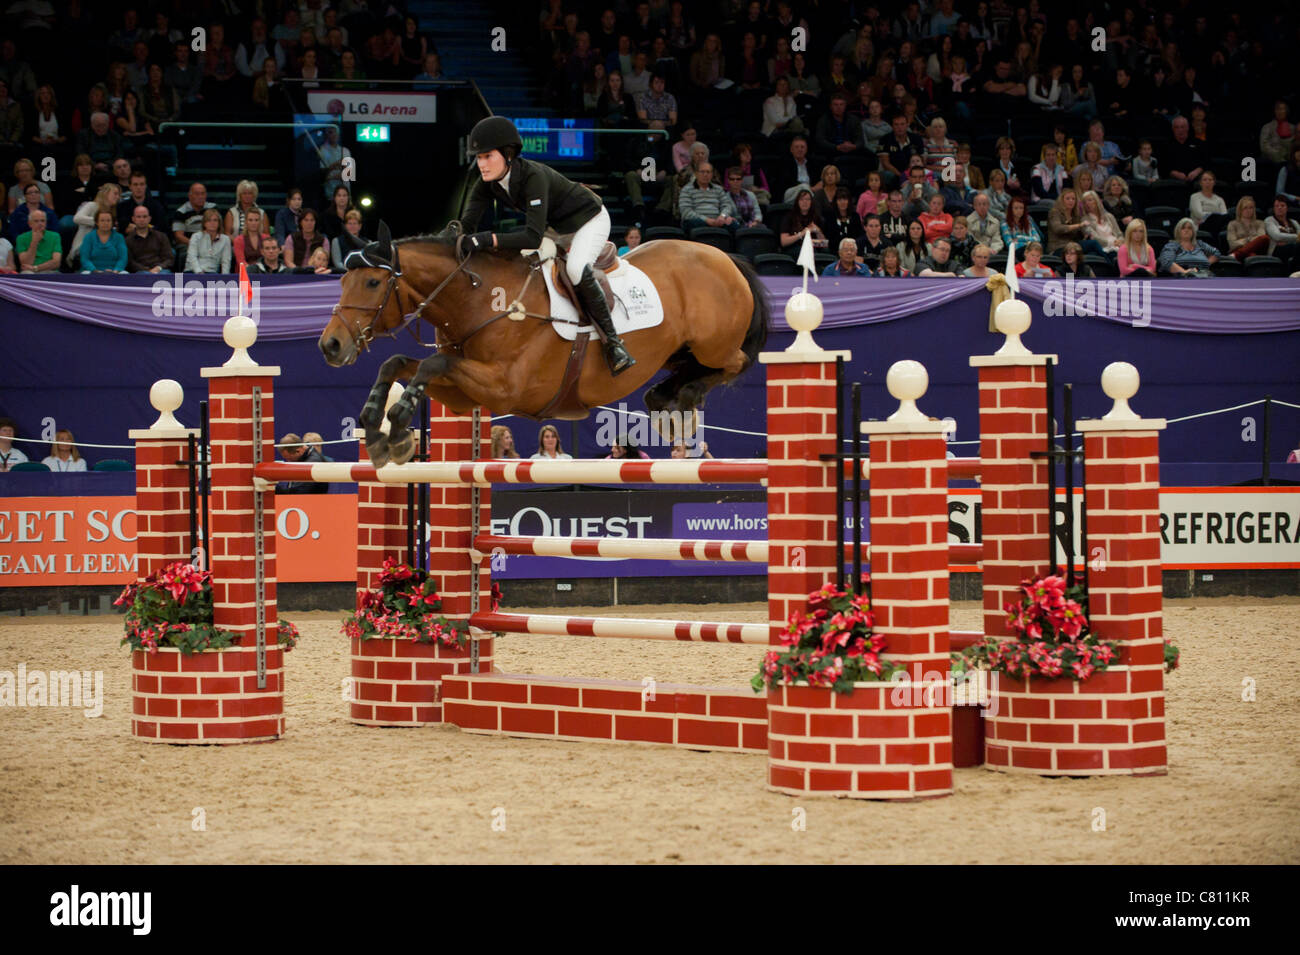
(401, 442)
(372, 413)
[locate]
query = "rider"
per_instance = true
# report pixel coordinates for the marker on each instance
(547, 198)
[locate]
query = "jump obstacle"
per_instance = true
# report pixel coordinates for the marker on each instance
(866, 745)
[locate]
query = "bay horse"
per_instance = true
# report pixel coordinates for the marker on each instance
(488, 353)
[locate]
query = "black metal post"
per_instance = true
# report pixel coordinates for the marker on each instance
(573, 439)
(423, 525)
(856, 424)
(1268, 410)
(1051, 465)
(192, 466)
(410, 525)
(205, 479)
(839, 471)
(1069, 485)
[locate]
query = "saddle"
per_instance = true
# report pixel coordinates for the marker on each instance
(607, 261)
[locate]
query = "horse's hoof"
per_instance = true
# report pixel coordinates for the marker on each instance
(401, 447)
(377, 447)
(372, 416)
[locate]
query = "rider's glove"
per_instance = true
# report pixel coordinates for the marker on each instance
(481, 240)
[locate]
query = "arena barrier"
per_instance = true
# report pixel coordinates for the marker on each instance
(875, 743)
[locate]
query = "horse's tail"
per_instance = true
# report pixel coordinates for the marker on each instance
(760, 319)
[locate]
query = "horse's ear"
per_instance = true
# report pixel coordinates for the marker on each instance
(384, 237)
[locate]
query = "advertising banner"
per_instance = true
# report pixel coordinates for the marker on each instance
(374, 106)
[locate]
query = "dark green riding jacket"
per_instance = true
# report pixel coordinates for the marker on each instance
(544, 196)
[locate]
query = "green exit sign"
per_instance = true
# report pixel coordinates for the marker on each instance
(373, 133)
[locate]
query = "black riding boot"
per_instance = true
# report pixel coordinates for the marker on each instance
(593, 299)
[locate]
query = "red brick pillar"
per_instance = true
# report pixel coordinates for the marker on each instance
(381, 526)
(238, 392)
(162, 487)
(1013, 486)
(1122, 493)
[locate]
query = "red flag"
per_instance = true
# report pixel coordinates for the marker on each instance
(245, 287)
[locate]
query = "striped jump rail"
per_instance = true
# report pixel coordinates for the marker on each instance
(672, 471)
(624, 548)
(695, 631)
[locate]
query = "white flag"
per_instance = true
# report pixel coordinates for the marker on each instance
(1013, 282)
(807, 261)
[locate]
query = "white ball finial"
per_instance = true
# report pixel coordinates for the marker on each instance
(1012, 318)
(240, 332)
(1120, 380)
(907, 381)
(166, 396)
(803, 313)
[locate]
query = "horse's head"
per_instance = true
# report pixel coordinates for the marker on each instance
(370, 298)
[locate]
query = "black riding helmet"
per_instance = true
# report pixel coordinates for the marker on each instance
(495, 132)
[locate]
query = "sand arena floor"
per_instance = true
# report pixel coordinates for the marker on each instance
(79, 790)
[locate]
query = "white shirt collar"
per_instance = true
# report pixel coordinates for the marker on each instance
(504, 181)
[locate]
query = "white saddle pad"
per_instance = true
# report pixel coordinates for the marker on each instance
(636, 302)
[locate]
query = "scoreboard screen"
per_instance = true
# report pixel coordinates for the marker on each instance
(551, 139)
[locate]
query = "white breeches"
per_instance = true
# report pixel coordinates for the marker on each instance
(587, 243)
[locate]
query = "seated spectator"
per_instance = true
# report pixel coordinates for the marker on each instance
(350, 241)
(1208, 210)
(1078, 98)
(1032, 266)
(245, 202)
(131, 124)
(631, 239)
(824, 191)
(873, 244)
(752, 175)
(138, 195)
(1145, 166)
(939, 263)
(209, 251)
(985, 227)
(7, 263)
(503, 442)
(1276, 135)
(997, 194)
(549, 446)
(705, 203)
(189, 218)
(104, 250)
(159, 103)
(64, 455)
(940, 151)
(1047, 178)
(11, 119)
(293, 449)
(1246, 234)
(893, 223)
(147, 249)
(331, 222)
(957, 196)
(913, 250)
(247, 246)
(748, 213)
(318, 263)
(1136, 257)
(799, 170)
(637, 80)
(1064, 221)
(1073, 263)
(1103, 232)
(1117, 201)
(1282, 232)
(1044, 89)
(1091, 164)
(683, 147)
(899, 147)
(697, 449)
(624, 449)
(656, 109)
(961, 242)
(1003, 94)
(974, 178)
(271, 261)
(1288, 178)
(1066, 154)
(100, 143)
(780, 112)
(38, 249)
(874, 197)
(847, 263)
(25, 174)
(77, 189)
(1185, 255)
(668, 201)
(305, 241)
(935, 221)
(1019, 230)
(286, 220)
(19, 220)
(838, 132)
(917, 190)
(979, 263)
(803, 82)
(314, 442)
(1110, 158)
(875, 129)
(1186, 157)
(843, 222)
(891, 264)
(802, 219)
(9, 455)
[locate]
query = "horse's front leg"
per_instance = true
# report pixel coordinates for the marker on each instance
(372, 413)
(401, 441)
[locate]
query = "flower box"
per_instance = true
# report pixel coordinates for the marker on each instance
(207, 697)
(399, 682)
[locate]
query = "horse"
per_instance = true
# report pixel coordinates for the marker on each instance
(495, 347)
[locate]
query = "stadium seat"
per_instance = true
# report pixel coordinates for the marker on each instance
(998, 263)
(1158, 238)
(1102, 266)
(776, 264)
(663, 232)
(1140, 193)
(1228, 267)
(718, 238)
(112, 464)
(823, 259)
(776, 212)
(1171, 192)
(29, 466)
(760, 240)
(1164, 218)
(1266, 267)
